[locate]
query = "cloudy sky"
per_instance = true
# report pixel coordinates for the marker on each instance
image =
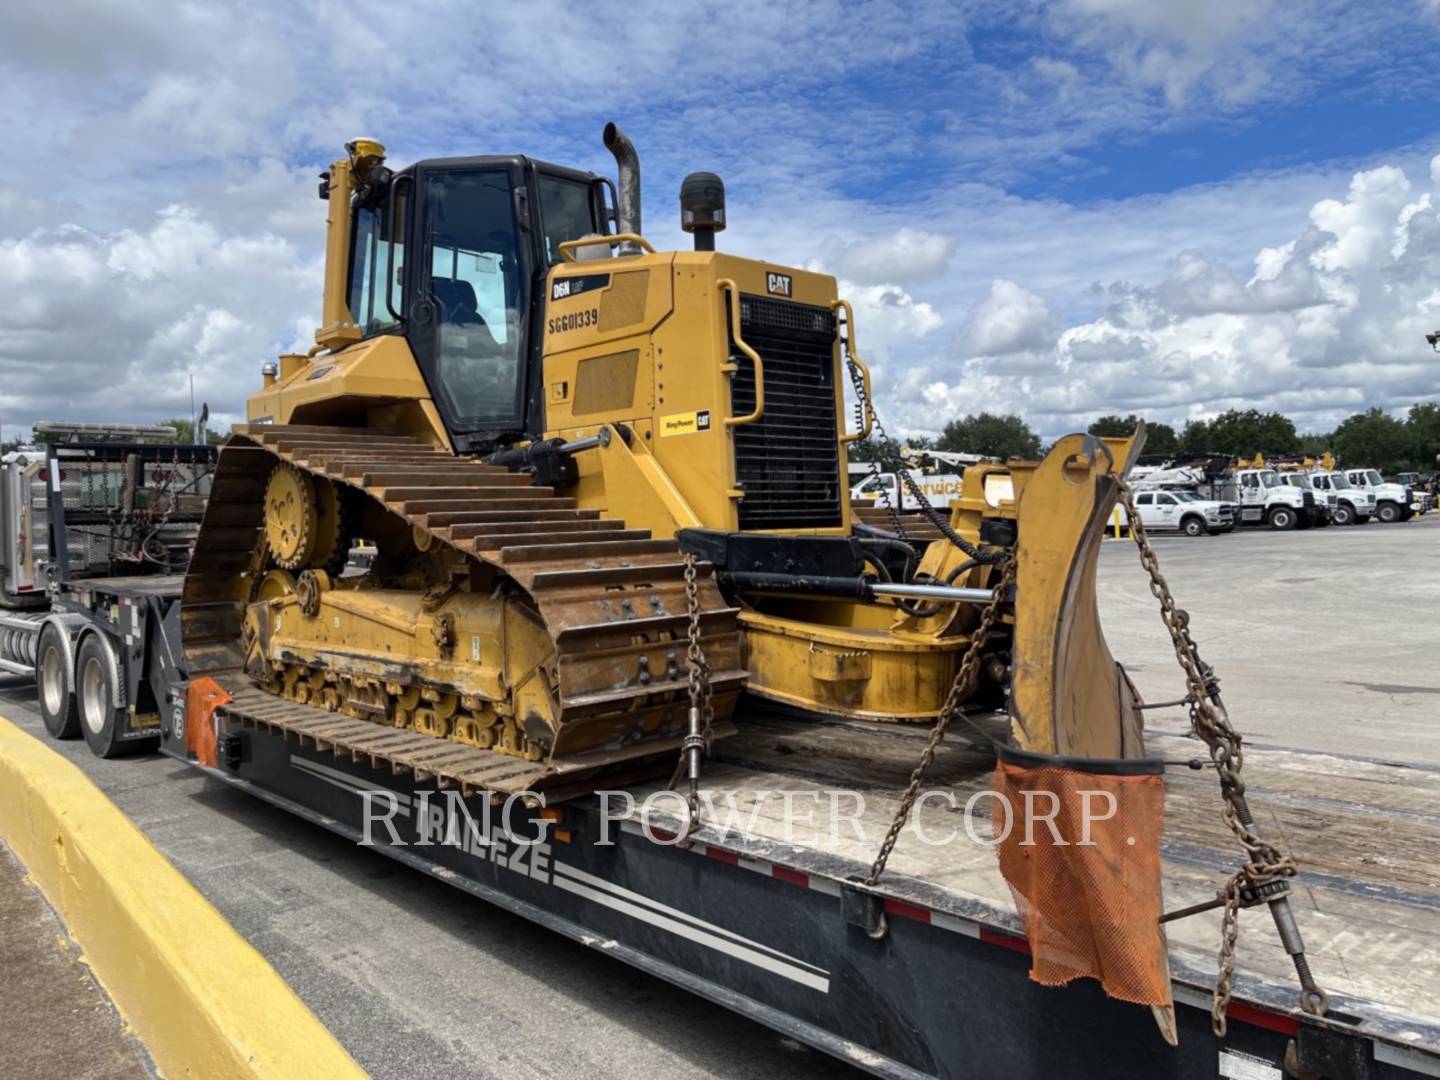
(1061, 209)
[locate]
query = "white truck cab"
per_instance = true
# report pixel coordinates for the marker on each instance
(1353, 506)
(940, 489)
(1183, 511)
(1325, 501)
(1264, 498)
(1392, 501)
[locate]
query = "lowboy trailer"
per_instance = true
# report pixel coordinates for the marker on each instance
(924, 975)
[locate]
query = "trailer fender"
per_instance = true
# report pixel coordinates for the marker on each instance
(113, 665)
(70, 625)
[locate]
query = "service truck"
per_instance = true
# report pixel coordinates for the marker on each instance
(1256, 491)
(1325, 501)
(939, 489)
(1393, 502)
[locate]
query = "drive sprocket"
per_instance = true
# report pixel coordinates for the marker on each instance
(291, 517)
(304, 523)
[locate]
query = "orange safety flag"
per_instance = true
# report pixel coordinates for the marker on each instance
(1079, 845)
(203, 696)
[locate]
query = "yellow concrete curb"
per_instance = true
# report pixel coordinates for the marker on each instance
(204, 1003)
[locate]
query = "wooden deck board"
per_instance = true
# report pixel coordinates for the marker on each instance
(1362, 831)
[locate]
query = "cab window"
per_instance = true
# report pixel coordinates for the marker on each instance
(477, 292)
(567, 212)
(1164, 500)
(377, 255)
(1144, 500)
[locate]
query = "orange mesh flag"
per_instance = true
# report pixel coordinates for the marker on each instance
(203, 696)
(1080, 849)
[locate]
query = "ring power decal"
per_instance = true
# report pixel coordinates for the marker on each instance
(686, 423)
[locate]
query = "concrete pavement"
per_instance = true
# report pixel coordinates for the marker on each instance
(56, 1023)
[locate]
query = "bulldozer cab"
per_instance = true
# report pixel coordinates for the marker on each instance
(452, 254)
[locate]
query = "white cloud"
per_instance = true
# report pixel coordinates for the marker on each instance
(158, 210)
(1009, 319)
(905, 256)
(111, 326)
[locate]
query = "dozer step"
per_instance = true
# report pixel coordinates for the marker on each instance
(284, 443)
(455, 475)
(536, 540)
(520, 500)
(562, 552)
(720, 681)
(405, 495)
(333, 460)
(451, 518)
(529, 525)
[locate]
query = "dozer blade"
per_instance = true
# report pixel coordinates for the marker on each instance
(1090, 897)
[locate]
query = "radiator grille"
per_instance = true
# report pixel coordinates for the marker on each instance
(788, 463)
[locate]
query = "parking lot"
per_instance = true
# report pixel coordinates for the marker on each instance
(1324, 640)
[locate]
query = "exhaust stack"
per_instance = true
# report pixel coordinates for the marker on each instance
(628, 163)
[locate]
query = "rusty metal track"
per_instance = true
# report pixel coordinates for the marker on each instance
(611, 597)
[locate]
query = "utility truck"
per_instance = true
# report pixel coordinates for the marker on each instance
(1255, 490)
(1353, 506)
(939, 489)
(1393, 502)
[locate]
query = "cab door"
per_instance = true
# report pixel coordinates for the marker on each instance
(1145, 505)
(1167, 510)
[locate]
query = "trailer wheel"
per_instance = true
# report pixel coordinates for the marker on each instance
(52, 680)
(1193, 526)
(1388, 512)
(97, 684)
(1282, 517)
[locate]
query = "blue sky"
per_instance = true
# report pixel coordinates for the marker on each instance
(1061, 209)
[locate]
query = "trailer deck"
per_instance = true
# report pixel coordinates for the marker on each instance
(776, 928)
(1362, 831)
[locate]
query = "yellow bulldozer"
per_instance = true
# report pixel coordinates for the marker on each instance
(606, 490)
(596, 474)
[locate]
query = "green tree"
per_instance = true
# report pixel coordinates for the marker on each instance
(995, 436)
(1244, 432)
(1376, 440)
(1159, 438)
(1114, 426)
(1315, 443)
(1424, 426)
(1196, 436)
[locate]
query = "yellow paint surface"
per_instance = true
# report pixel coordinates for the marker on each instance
(203, 1002)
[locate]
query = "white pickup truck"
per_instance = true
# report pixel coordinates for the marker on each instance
(1393, 502)
(1183, 511)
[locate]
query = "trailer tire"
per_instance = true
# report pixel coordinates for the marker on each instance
(1282, 517)
(1193, 526)
(1388, 512)
(53, 685)
(97, 692)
